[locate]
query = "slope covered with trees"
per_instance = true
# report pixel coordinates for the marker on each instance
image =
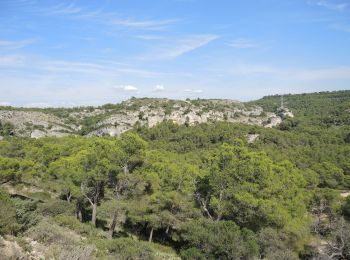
(193, 192)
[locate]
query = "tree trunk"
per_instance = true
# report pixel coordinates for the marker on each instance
(78, 210)
(167, 229)
(113, 224)
(150, 235)
(94, 213)
(126, 168)
(69, 196)
(80, 215)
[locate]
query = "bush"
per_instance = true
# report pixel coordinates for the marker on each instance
(126, 248)
(56, 207)
(74, 224)
(47, 232)
(217, 240)
(8, 223)
(26, 214)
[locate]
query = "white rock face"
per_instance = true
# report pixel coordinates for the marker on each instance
(274, 121)
(151, 112)
(252, 137)
(25, 121)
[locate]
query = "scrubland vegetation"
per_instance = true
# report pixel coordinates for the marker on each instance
(189, 192)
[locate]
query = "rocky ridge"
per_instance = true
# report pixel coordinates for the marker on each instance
(115, 119)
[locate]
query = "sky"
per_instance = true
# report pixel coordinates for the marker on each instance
(74, 53)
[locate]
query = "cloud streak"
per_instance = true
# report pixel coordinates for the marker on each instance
(12, 45)
(143, 24)
(181, 47)
(331, 6)
(250, 70)
(193, 91)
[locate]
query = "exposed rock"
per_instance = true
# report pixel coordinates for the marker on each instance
(345, 194)
(252, 137)
(285, 112)
(39, 124)
(11, 250)
(274, 121)
(114, 121)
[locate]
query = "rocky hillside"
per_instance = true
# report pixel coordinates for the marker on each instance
(114, 119)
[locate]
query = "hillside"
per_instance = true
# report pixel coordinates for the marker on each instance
(114, 119)
(175, 175)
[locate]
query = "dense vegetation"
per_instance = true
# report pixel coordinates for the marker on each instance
(201, 192)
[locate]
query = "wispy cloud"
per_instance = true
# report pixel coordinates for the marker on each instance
(5, 44)
(242, 43)
(193, 91)
(74, 11)
(143, 24)
(67, 67)
(149, 37)
(180, 47)
(63, 9)
(310, 74)
(8, 61)
(332, 6)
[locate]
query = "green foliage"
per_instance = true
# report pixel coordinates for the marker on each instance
(6, 128)
(26, 214)
(126, 248)
(12, 169)
(73, 223)
(55, 208)
(218, 240)
(203, 190)
(346, 208)
(8, 224)
(253, 191)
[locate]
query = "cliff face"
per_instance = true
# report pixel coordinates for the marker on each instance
(115, 119)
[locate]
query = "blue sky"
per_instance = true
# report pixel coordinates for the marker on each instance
(69, 53)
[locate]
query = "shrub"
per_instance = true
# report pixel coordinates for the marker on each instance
(204, 243)
(26, 214)
(8, 224)
(56, 207)
(74, 224)
(48, 233)
(126, 248)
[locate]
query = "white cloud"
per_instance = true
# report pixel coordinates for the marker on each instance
(4, 44)
(180, 47)
(128, 88)
(8, 61)
(241, 43)
(332, 6)
(142, 24)
(148, 37)
(98, 68)
(63, 9)
(158, 88)
(193, 91)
